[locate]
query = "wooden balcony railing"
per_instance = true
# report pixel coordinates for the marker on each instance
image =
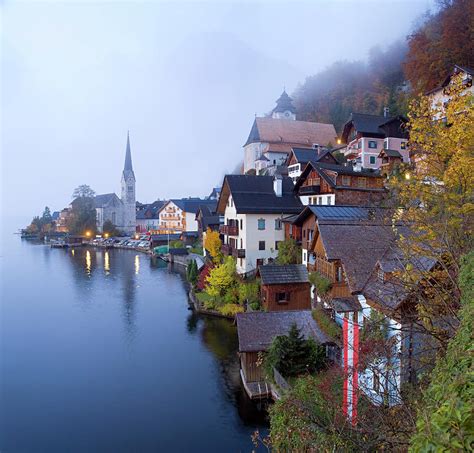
(229, 230)
(310, 190)
(228, 250)
(324, 267)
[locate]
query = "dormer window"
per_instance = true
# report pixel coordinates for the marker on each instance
(403, 145)
(372, 144)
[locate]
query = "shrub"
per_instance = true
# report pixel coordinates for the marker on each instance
(292, 355)
(222, 278)
(249, 292)
(176, 245)
(321, 283)
(255, 306)
(327, 325)
(289, 252)
(231, 309)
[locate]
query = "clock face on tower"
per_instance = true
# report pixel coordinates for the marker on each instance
(287, 114)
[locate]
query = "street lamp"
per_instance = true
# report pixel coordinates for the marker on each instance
(88, 234)
(106, 235)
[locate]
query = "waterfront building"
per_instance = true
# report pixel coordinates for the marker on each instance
(148, 219)
(253, 208)
(272, 137)
(178, 215)
(284, 287)
(366, 135)
(329, 184)
(257, 330)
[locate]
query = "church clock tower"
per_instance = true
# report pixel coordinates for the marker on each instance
(128, 192)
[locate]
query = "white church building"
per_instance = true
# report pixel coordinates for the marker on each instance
(120, 211)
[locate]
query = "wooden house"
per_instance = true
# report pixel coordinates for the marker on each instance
(299, 157)
(330, 184)
(284, 287)
(257, 330)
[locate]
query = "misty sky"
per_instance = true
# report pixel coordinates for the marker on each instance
(185, 78)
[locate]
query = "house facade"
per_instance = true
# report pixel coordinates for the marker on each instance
(148, 218)
(366, 135)
(299, 158)
(179, 215)
(253, 208)
(274, 136)
(329, 184)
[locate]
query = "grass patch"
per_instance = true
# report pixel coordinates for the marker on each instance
(327, 325)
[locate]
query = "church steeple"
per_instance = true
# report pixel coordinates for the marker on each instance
(128, 168)
(284, 107)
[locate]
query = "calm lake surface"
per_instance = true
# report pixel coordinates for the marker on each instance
(99, 352)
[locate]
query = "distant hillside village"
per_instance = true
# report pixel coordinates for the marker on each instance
(312, 236)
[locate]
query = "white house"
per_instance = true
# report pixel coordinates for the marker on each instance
(253, 208)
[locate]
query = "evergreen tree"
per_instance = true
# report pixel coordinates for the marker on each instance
(46, 217)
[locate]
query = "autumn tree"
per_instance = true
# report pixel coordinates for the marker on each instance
(213, 244)
(438, 204)
(443, 40)
(221, 278)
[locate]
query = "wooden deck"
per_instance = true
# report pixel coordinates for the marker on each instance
(260, 389)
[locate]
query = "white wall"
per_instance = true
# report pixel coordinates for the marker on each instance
(191, 222)
(251, 152)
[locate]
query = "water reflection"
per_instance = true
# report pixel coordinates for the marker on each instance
(137, 264)
(88, 263)
(107, 263)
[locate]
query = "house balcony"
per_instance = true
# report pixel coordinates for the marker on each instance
(229, 230)
(310, 190)
(238, 253)
(228, 250)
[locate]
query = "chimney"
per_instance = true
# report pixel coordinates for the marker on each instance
(278, 185)
(386, 111)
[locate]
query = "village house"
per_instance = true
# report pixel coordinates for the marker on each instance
(257, 330)
(366, 135)
(178, 215)
(273, 137)
(253, 208)
(330, 184)
(284, 287)
(299, 157)
(148, 219)
(390, 161)
(361, 273)
(207, 219)
(440, 96)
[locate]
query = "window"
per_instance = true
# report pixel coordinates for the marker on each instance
(359, 145)
(241, 224)
(372, 144)
(278, 224)
(240, 262)
(403, 145)
(328, 199)
(361, 182)
(385, 143)
(372, 160)
(282, 297)
(113, 218)
(346, 180)
(261, 224)
(276, 245)
(241, 243)
(130, 189)
(261, 245)
(338, 274)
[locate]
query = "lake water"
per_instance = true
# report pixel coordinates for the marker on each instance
(100, 352)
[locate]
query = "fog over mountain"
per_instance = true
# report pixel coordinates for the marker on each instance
(185, 78)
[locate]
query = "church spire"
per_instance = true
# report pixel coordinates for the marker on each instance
(128, 156)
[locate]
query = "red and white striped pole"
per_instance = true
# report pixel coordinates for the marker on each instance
(350, 338)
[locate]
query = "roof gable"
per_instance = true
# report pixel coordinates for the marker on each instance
(273, 274)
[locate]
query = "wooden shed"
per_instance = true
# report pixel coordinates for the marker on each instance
(284, 287)
(257, 330)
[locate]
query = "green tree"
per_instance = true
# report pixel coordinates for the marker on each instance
(46, 217)
(221, 278)
(289, 252)
(110, 229)
(83, 215)
(293, 355)
(83, 191)
(192, 272)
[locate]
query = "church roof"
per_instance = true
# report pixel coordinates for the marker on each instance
(106, 199)
(291, 133)
(284, 103)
